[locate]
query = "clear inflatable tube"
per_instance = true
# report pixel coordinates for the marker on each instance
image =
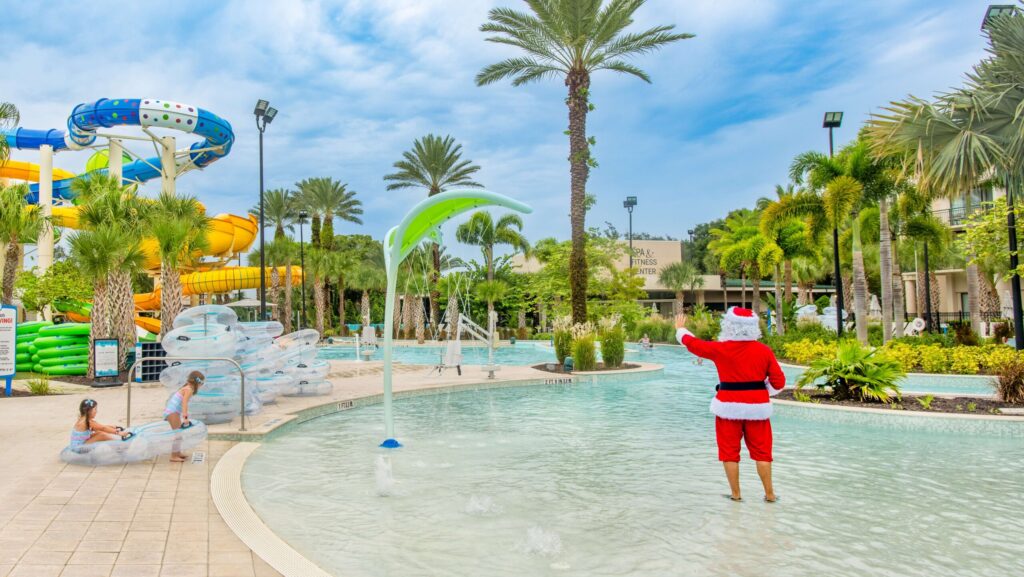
(210, 340)
(304, 337)
(315, 370)
(312, 388)
(147, 442)
(270, 329)
(209, 314)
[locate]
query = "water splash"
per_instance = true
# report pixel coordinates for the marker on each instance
(541, 542)
(385, 477)
(482, 505)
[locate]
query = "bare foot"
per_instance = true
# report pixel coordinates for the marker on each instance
(177, 458)
(736, 498)
(771, 498)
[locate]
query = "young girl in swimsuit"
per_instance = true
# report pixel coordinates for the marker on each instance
(176, 412)
(87, 430)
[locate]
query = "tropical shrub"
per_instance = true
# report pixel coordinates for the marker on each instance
(805, 352)
(562, 338)
(658, 328)
(1001, 331)
(1010, 384)
(584, 353)
(39, 386)
(809, 331)
(542, 336)
(704, 324)
(613, 343)
(855, 372)
(822, 302)
(964, 335)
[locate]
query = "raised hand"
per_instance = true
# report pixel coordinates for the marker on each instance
(681, 321)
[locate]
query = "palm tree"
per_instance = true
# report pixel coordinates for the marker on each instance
(680, 276)
(19, 222)
(9, 118)
(318, 268)
(102, 252)
(280, 209)
(739, 244)
(572, 39)
(105, 201)
(368, 276)
(327, 199)
(341, 265)
(179, 224)
(436, 164)
(490, 291)
(481, 230)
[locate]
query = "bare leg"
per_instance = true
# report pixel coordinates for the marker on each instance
(732, 472)
(764, 470)
(174, 419)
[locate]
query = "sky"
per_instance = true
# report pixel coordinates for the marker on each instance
(357, 81)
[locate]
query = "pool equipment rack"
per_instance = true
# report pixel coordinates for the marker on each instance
(140, 360)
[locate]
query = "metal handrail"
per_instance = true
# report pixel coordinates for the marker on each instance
(135, 365)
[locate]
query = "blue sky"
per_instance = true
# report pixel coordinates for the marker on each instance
(357, 81)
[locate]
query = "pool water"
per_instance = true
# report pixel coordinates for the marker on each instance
(622, 479)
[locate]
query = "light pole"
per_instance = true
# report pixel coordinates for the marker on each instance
(264, 115)
(832, 121)
(998, 11)
(628, 204)
(303, 215)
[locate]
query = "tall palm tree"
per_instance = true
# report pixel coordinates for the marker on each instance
(435, 163)
(102, 252)
(280, 209)
(481, 230)
(491, 291)
(572, 39)
(678, 277)
(367, 276)
(327, 199)
(9, 118)
(738, 244)
(19, 222)
(180, 226)
(103, 201)
(318, 263)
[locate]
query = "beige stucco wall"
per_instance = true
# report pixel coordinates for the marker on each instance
(649, 257)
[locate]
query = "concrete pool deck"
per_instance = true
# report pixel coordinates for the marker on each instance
(153, 518)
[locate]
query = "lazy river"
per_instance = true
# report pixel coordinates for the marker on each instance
(621, 478)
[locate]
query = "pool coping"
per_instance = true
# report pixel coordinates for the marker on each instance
(226, 480)
(919, 414)
(939, 375)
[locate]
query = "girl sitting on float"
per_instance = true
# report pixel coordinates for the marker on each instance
(87, 430)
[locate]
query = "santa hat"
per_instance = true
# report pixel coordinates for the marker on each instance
(740, 325)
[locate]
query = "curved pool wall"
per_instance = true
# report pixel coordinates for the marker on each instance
(610, 478)
(534, 352)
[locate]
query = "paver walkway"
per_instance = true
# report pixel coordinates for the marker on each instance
(151, 519)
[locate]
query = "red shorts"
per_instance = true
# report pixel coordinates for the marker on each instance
(757, 434)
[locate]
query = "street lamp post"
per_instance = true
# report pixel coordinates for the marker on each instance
(628, 204)
(832, 121)
(303, 215)
(996, 11)
(264, 115)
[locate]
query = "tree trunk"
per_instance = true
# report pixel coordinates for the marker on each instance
(899, 299)
(885, 260)
(10, 270)
(417, 319)
(789, 279)
(170, 297)
(275, 294)
(341, 302)
(314, 231)
(101, 325)
(327, 232)
(453, 315)
(435, 290)
(922, 308)
(287, 313)
(123, 311)
(678, 306)
(780, 328)
(396, 317)
(319, 303)
(973, 300)
(847, 293)
(409, 316)
(988, 298)
(578, 83)
(542, 316)
(860, 286)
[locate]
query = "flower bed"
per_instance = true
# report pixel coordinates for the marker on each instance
(929, 358)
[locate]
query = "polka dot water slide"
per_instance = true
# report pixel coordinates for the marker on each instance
(89, 117)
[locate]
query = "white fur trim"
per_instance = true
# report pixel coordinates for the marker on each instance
(741, 411)
(680, 333)
(772, 391)
(733, 330)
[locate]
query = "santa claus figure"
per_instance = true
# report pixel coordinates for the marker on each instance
(748, 374)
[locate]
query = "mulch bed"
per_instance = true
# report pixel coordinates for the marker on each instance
(559, 369)
(910, 403)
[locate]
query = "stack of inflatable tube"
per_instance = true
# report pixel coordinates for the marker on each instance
(27, 332)
(299, 362)
(146, 442)
(60, 349)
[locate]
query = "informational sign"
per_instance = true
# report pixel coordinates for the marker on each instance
(8, 343)
(105, 357)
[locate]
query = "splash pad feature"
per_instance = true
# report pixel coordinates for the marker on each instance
(422, 224)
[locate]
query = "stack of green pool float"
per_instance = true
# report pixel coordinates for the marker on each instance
(44, 347)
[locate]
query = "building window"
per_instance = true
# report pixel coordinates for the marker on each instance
(967, 203)
(964, 307)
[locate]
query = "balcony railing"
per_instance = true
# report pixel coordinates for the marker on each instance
(957, 215)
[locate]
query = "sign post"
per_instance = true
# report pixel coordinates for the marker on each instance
(105, 357)
(8, 344)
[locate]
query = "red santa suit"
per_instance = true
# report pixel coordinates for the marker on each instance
(748, 374)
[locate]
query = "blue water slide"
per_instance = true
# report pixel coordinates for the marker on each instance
(89, 117)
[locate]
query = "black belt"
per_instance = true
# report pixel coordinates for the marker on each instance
(744, 386)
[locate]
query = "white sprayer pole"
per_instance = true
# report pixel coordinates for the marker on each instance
(168, 168)
(389, 329)
(115, 162)
(45, 243)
